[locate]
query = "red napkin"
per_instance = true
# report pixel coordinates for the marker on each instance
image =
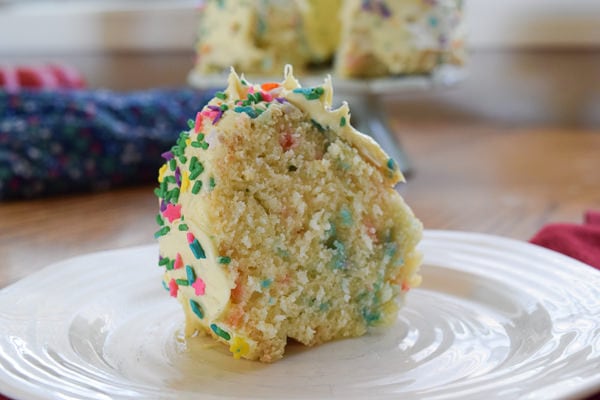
(581, 242)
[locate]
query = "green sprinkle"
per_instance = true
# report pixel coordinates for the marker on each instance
(183, 227)
(172, 164)
(197, 187)
(191, 275)
(258, 97)
(170, 179)
(223, 260)
(161, 232)
(221, 95)
(163, 261)
(224, 107)
(175, 195)
(211, 183)
(190, 123)
(220, 332)
(196, 144)
(244, 82)
(196, 309)
(159, 220)
(343, 121)
(204, 145)
(165, 286)
(170, 265)
(182, 282)
(370, 317)
(310, 93)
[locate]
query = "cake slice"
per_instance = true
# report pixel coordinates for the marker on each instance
(381, 37)
(279, 220)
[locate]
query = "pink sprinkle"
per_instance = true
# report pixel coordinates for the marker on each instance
(199, 286)
(190, 237)
(172, 212)
(266, 97)
(173, 288)
(198, 123)
(251, 90)
(178, 262)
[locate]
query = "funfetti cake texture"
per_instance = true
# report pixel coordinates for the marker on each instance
(362, 38)
(279, 220)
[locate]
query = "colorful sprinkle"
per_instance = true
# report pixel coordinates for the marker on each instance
(161, 173)
(199, 287)
(185, 181)
(239, 347)
(247, 110)
(197, 309)
(268, 86)
(197, 187)
(391, 164)
(162, 261)
(223, 260)
(310, 93)
(173, 212)
(343, 121)
(198, 123)
(182, 282)
(221, 95)
(220, 332)
(197, 249)
(162, 231)
(212, 183)
(266, 283)
(178, 262)
(159, 220)
(183, 227)
(165, 286)
(189, 272)
(173, 288)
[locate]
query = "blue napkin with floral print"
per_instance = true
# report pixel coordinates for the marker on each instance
(64, 141)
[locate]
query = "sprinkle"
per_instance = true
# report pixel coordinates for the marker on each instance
(223, 260)
(310, 93)
(280, 100)
(172, 212)
(221, 95)
(197, 249)
(162, 261)
(170, 265)
(220, 332)
(198, 123)
(268, 86)
(165, 286)
(204, 145)
(343, 121)
(191, 275)
(185, 181)
(199, 286)
(266, 283)
(196, 309)
(239, 347)
(183, 227)
(266, 96)
(178, 262)
(172, 164)
(163, 206)
(177, 176)
(161, 173)
(167, 155)
(161, 232)
(182, 282)
(346, 216)
(248, 110)
(197, 186)
(173, 288)
(159, 220)
(190, 123)
(211, 183)
(391, 164)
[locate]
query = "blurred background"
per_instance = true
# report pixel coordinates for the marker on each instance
(531, 62)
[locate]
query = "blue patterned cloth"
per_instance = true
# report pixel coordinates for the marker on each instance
(56, 142)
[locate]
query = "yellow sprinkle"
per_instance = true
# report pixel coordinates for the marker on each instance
(161, 173)
(239, 347)
(185, 181)
(187, 142)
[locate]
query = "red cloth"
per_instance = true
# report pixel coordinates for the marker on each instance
(581, 242)
(49, 76)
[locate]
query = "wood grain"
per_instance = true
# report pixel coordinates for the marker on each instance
(498, 180)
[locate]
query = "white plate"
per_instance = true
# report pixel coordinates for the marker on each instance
(494, 317)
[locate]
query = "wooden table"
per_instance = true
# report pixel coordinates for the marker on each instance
(504, 181)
